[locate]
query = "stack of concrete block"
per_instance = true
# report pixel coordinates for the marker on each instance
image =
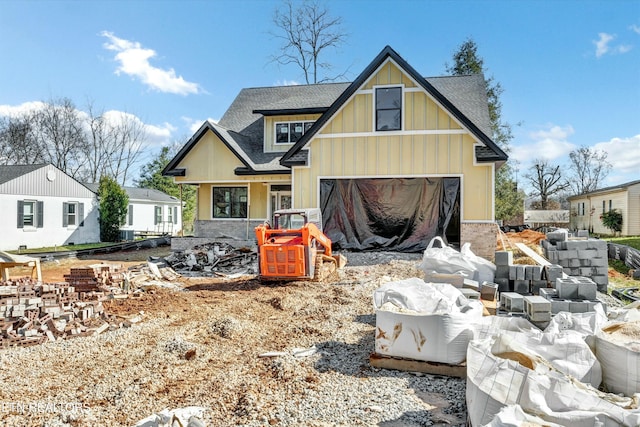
(522, 279)
(537, 309)
(579, 256)
(572, 294)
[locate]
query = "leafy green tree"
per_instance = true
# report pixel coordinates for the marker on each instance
(509, 200)
(113, 208)
(612, 220)
(151, 177)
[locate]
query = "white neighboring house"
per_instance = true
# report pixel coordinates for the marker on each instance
(42, 206)
(150, 212)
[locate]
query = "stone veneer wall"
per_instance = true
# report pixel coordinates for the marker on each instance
(482, 237)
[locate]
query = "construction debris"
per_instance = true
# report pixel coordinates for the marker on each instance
(32, 312)
(214, 259)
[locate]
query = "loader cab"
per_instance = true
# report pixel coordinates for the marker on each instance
(293, 219)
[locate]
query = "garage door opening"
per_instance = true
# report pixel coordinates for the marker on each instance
(396, 214)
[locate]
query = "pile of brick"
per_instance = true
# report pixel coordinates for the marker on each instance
(96, 278)
(579, 256)
(32, 313)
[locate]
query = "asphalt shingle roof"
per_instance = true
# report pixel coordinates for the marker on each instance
(10, 172)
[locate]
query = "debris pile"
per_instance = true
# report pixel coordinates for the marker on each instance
(214, 259)
(32, 313)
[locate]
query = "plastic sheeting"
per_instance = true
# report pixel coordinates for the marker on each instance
(399, 214)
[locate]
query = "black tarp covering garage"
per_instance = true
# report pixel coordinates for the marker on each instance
(399, 214)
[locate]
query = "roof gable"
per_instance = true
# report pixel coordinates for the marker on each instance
(386, 54)
(621, 187)
(11, 172)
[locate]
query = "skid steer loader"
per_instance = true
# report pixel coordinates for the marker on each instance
(295, 248)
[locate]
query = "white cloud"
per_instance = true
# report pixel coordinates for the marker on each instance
(623, 154)
(17, 110)
(603, 45)
(134, 61)
(156, 135)
(635, 28)
(194, 124)
(547, 144)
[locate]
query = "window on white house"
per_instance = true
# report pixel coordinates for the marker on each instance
(130, 214)
(603, 206)
(157, 215)
(229, 202)
(72, 214)
(175, 214)
(30, 214)
(388, 108)
(610, 205)
(581, 208)
(169, 214)
(291, 132)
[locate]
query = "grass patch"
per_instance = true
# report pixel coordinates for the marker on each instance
(61, 248)
(633, 241)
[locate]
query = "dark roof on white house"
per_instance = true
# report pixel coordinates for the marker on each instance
(141, 194)
(11, 172)
(606, 189)
(241, 127)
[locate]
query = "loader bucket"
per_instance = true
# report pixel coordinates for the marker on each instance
(341, 261)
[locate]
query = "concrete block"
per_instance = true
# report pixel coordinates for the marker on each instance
(521, 286)
(567, 288)
(602, 253)
(536, 285)
(513, 272)
(568, 254)
(470, 294)
(579, 306)
(585, 271)
(471, 284)
(548, 293)
(557, 236)
(520, 271)
(503, 258)
(575, 263)
(502, 271)
(600, 262)
(561, 246)
(587, 253)
(552, 256)
(564, 263)
(636, 274)
(577, 245)
(512, 301)
(597, 244)
(552, 272)
(583, 233)
(489, 291)
(558, 305)
(534, 304)
(503, 284)
(587, 290)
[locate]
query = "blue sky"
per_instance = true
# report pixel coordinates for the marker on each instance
(570, 70)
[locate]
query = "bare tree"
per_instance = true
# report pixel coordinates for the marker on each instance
(545, 180)
(97, 149)
(307, 30)
(61, 135)
(128, 138)
(589, 168)
(18, 142)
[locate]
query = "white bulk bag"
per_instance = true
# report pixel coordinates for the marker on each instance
(424, 321)
(446, 260)
(497, 377)
(618, 350)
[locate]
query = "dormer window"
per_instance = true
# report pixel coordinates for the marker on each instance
(388, 108)
(291, 132)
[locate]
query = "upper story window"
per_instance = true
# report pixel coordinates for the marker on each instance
(291, 132)
(388, 108)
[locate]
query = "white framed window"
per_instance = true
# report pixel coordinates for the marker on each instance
(229, 202)
(581, 209)
(169, 214)
(157, 217)
(30, 214)
(291, 132)
(388, 108)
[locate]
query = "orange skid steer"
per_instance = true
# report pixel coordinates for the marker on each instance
(295, 248)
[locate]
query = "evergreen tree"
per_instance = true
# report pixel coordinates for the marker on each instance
(509, 200)
(151, 177)
(113, 209)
